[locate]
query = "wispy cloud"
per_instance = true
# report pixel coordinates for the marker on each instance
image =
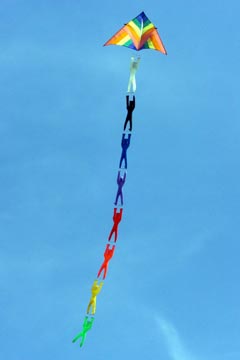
(196, 244)
(176, 348)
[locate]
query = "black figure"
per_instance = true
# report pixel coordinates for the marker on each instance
(130, 108)
(125, 145)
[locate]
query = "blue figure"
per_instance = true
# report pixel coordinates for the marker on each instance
(120, 182)
(125, 145)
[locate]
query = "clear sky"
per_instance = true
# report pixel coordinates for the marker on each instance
(172, 290)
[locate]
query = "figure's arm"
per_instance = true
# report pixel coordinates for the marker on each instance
(94, 286)
(89, 324)
(132, 62)
(89, 305)
(123, 138)
(128, 140)
(133, 102)
(127, 101)
(91, 321)
(112, 251)
(118, 177)
(100, 286)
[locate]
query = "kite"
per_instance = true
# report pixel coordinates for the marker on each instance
(137, 34)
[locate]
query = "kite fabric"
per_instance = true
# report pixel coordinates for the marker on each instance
(138, 34)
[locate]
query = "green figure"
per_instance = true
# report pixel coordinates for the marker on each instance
(87, 325)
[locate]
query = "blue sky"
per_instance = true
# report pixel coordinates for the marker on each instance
(172, 290)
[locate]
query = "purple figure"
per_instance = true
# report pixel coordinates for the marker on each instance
(130, 108)
(125, 145)
(120, 182)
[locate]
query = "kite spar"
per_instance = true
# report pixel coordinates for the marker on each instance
(138, 34)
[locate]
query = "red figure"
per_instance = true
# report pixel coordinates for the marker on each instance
(117, 217)
(107, 256)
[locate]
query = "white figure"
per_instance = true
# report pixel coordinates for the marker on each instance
(132, 79)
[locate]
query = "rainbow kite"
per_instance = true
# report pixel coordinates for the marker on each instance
(138, 34)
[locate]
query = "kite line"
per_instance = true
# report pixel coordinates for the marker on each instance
(137, 34)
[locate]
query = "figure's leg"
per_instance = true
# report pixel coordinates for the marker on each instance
(121, 196)
(105, 271)
(125, 160)
(110, 235)
(125, 124)
(116, 198)
(94, 306)
(77, 337)
(83, 339)
(123, 157)
(100, 270)
(129, 83)
(116, 234)
(89, 306)
(134, 83)
(121, 160)
(130, 126)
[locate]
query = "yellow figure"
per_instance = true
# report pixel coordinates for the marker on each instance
(96, 288)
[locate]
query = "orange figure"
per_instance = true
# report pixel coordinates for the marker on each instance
(117, 217)
(108, 254)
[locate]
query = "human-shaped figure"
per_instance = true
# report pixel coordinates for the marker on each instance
(87, 325)
(132, 79)
(96, 288)
(117, 217)
(120, 182)
(130, 108)
(108, 254)
(125, 144)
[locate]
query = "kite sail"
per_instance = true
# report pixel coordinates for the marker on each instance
(138, 34)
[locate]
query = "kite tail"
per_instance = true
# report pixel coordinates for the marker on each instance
(118, 210)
